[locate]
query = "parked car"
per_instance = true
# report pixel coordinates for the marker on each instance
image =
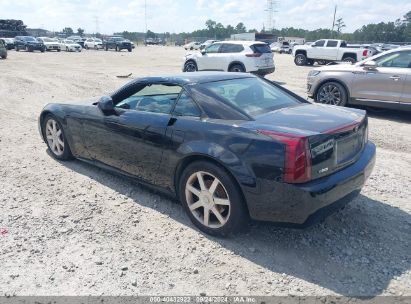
(3, 50)
(8, 43)
(117, 43)
(207, 43)
(382, 81)
(77, 39)
(327, 50)
(232, 56)
(29, 44)
(192, 46)
(281, 47)
(93, 43)
(70, 46)
(229, 146)
(50, 44)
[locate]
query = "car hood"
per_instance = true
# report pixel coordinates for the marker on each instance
(306, 119)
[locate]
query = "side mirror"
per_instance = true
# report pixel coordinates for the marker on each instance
(106, 105)
(313, 45)
(370, 65)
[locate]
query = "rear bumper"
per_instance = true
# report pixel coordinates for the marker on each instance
(305, 204)
(264, 71)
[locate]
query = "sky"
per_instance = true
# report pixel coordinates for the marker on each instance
(188, 15)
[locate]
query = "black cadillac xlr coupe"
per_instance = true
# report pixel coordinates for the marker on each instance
(229, 146)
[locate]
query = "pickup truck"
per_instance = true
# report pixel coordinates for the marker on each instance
(328, 50)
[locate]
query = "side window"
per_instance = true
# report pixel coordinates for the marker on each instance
(395, 60)
(332, 43)
(231, 48)
(155, 98)
(186, 107)
(213, 48)
(319, 43)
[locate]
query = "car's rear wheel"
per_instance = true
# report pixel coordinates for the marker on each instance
(322, 62)
(190, 66)
(349, 59)
(238, 68)
(55, 138)
(212, 199)
(332, 93)
(300, 59)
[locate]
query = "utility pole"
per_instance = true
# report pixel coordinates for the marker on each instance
(145, 14)
(271, 8)
(332, 30)
(97, 22)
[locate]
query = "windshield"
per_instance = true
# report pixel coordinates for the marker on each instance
(253, 96)
(117, 39)
(69, 41)
(47, 40)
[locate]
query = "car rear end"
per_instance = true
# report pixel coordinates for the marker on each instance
(125, 45)
(259, 59)
(327, 159)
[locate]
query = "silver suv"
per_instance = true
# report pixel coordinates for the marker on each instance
(380, 81)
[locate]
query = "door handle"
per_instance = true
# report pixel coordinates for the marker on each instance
(395, 78)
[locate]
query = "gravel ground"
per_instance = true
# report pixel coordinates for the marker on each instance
(72, 229)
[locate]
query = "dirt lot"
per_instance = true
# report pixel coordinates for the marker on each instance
(72, 229)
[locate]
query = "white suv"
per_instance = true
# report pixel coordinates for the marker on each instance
(93, 43)
(232, 56)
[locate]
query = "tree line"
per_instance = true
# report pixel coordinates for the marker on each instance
(396, 31)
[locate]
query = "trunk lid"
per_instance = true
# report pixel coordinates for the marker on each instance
(335, 136)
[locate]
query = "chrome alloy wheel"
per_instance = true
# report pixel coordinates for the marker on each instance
(330, 94)
(54, 137)
(208, 199)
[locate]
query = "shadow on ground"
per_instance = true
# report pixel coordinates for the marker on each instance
(355, 252)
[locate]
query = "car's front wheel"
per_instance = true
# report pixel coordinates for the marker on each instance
(190, 66)
(55, 138)
(212, 199)
(300, 59)
(332, 93)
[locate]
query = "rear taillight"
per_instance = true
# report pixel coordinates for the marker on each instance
(253, 55)
(297, 167)
(365, 53)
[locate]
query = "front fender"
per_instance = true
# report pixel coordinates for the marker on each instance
(54, 109)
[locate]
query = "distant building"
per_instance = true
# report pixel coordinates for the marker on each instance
(296, 40)
(264, 37)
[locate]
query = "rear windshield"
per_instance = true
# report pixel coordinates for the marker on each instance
(261, 48)
(253, 96)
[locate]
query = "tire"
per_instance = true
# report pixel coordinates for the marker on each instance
(332, 93)
(59, 50)
(106, 48)
(191, 48)
(237, 68)
(190, 66)
(322, 62)
(50, 128)
(349, 59)
(17, 49)
(300, 59)
(310, 62)
(96, 48)
(4, 56)
(226, 200)
(117, 49)
(130, 49)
